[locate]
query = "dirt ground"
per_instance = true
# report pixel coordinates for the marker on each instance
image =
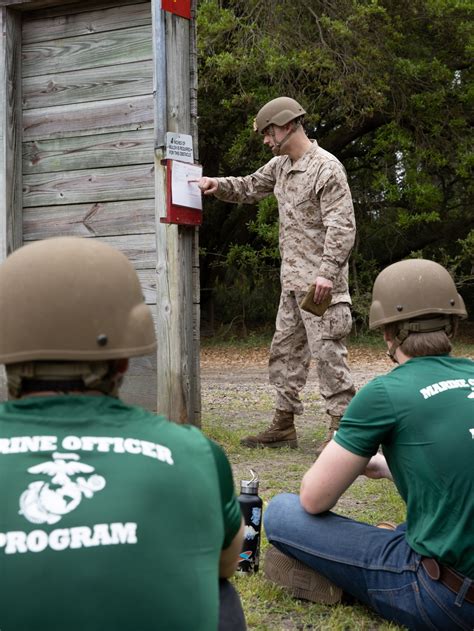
(237, 400)
(250, 366)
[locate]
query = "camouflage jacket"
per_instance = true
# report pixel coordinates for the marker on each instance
(317, 224)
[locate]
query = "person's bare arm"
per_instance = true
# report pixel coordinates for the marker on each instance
(377, 468)
(230, 555)
(328, 478)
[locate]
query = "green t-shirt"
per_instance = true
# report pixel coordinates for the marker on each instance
(111, 518)
(422, 413)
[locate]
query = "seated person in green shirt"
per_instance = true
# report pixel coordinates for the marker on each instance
(421, 573)
(111, 517)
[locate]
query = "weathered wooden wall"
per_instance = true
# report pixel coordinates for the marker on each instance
(10, 140)
(88, 90)
(88, 138)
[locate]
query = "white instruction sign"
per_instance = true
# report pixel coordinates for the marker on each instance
(184, 188)
(179, 147)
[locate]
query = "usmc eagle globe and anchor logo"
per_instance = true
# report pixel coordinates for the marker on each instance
(46, 502)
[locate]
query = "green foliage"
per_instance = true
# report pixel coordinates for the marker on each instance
(388, 89)
(248, 289)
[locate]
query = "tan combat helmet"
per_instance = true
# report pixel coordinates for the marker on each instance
(71, 299)
(279, 112)
(418, 293)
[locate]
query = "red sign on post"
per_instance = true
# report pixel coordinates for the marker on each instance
(180, 7)
(175, 213)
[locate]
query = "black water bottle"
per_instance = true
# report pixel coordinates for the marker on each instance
(251, 507)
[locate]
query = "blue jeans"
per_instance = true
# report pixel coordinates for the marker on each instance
(374, 565)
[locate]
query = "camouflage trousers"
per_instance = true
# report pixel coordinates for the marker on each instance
(300, 336)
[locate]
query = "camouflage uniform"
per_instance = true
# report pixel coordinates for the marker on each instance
(317, 230)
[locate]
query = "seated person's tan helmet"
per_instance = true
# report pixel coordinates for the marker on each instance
(279, 112)
(69, 298)
(413, 290)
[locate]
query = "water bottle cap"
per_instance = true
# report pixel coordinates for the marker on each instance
(250, 486)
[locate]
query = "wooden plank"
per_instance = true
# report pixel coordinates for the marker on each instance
(52, 8)
(178, 372)
(26, 5)
(87, 51)
(159, 78)
(139, 385)
(94, 185)
(142, 366)
(10, 132)
(103, 150)
(140, 249)
(148, 282)
(97, 84)
(89, 220)
(139, 391)
(196, 321)
(50, 27)
(10, 142)
(88, 118)
(178, 75)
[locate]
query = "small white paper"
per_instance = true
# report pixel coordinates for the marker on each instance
(179, 147)
(185, 191)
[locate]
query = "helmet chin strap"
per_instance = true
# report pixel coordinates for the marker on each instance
(396, 342)
(419, 326)
(278, 145)
(55, 375)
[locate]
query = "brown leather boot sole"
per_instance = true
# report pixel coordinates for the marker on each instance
(299, 579)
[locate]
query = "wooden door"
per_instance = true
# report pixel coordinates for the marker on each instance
(88, 138)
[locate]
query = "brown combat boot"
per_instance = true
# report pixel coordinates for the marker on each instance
(281, 433)
(300, 580)
(333, 426)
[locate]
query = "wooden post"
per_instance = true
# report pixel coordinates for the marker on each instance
(175, 87)
(10, 140)
(177, 315)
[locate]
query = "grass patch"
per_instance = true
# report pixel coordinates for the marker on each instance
(234, 408)
(228, 415)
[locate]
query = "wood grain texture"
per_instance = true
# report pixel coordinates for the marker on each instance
(10, 133)
(94, 50)
(88, 118)
(139, 249)
(49, 27)
(95, 151)
(54, 8)
(178, 75)
(148, 282)
(95, 185)
(96, 84)
(139, 385)
(90, 220)
(28, 5)
(88, 150)
(178, 372)
(10, 142)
